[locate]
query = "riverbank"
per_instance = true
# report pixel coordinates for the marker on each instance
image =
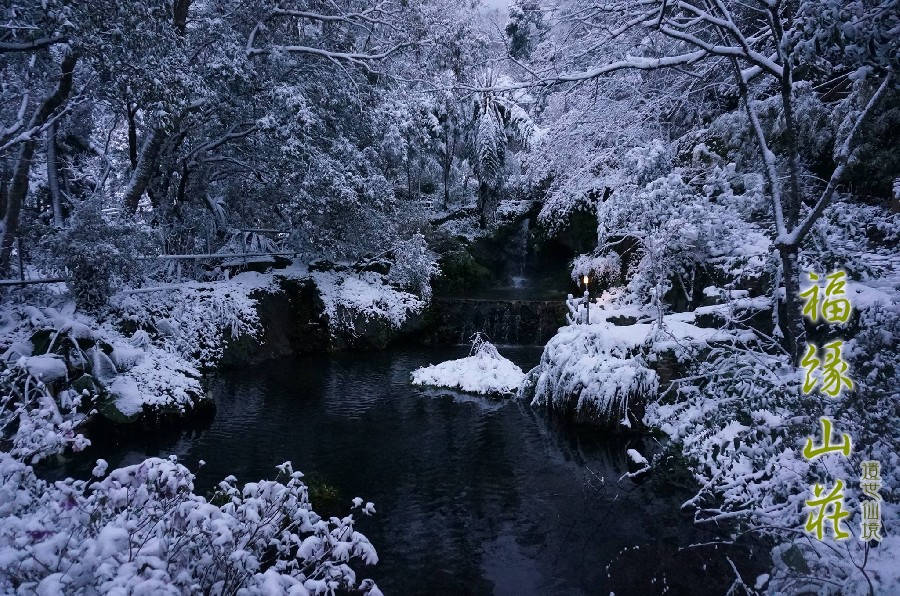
(141, 361)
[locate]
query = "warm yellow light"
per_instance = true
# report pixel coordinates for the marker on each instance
(585, 280)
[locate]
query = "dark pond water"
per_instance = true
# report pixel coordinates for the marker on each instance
(473, 496)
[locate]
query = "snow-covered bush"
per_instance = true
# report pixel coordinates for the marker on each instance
(740, 419)
(142, 529)
(99, 255)
(605, 268)
(195, 319)
(35, 422)
(55, 356)
(413, 267)
(483, 371)
(48, 373)
(676, 229)
(354, 303)
(590, 375)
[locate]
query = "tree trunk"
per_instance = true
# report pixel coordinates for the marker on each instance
(19, 187)
(53, 177)
(4, 187)
(17, 192)
(141, 175)
(409, 189)
(447, 165)
(132, 136)
(179, 15)
(487, 204)
(794, 330)
(446, 185)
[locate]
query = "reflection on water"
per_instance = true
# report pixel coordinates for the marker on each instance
(473, 496)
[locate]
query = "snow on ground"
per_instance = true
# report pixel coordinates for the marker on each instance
(484, 371)
(364, 294)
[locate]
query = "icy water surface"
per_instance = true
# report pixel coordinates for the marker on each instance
(472, 496)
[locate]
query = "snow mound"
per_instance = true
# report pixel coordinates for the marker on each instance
(484, 371)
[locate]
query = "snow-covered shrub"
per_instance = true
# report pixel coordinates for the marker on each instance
(739, 417)
(47, 380)
(647, 163)
(248, 242)
(35, 421)
(483, 371)
(605, 268)
(86, 368)
(142, 529)
(99, 255)
(676, 229)
(860, 239)
(195, 319)
(353, 303)
(593, 377)
(413, 267)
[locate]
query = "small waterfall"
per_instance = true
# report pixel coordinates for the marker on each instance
(520, 256)
(524, 306)
(519, 322)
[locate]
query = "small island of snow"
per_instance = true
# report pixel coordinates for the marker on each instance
(483, 371)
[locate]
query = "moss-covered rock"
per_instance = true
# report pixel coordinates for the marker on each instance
(460, 273)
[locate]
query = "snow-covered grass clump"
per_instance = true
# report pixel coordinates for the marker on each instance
(483, 371)
(142, 530)
(591, 374)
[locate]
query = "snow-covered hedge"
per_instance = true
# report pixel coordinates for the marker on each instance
(142, 529)
(483, 371)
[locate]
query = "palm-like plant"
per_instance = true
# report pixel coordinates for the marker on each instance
(498, 121)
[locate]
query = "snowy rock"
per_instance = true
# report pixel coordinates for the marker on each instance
(485, 372)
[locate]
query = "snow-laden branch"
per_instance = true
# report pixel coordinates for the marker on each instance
(191, 159)
(364, 19)
(369, 16)
(843, 155)
(35, 44)
(355, 57)
(768, 157)
(629, 63)
(19, 122)
(719, 50)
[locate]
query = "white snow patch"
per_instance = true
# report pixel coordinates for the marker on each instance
(485, 372)
(45, 367)
(635, 456)
(366, 295)
(129, 400)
